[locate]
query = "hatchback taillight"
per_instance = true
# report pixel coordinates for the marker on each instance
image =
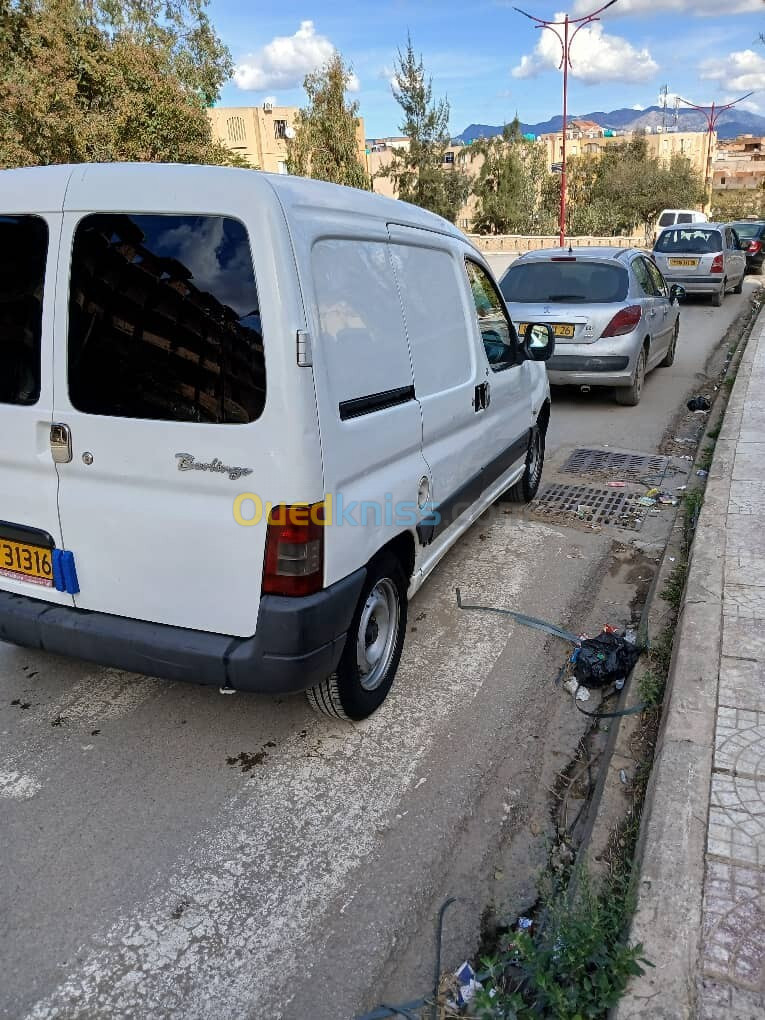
(624, 321)
(294, 560)
(717, 264)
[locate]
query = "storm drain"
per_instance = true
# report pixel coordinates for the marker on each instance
(616, 466)
(567, 504)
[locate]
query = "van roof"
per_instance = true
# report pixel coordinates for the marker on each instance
(48, 185)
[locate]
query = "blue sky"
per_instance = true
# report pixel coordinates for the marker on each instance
(490, 61)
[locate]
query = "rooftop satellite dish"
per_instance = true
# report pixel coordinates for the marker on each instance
(289, 132)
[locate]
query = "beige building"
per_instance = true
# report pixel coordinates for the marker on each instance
(586, 138)
(260, 133)
(740, 164)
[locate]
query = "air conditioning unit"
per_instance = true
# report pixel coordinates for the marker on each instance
(268, 107)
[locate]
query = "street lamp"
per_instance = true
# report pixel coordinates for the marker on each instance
(565, 63)
(712, 114)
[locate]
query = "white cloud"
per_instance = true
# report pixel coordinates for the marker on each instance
(638, 106)
(743, 71)
(285, 61)
(698, 7)
(595, 56)
(354, 85)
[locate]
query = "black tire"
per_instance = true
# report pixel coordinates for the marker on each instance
(629, 396)
(739, 288)
(669, 357)
(717, 297)
(525, 489)
(343, 695)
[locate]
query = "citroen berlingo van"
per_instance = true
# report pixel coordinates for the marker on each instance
(242, 417)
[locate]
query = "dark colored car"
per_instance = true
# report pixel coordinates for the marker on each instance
(752, 236)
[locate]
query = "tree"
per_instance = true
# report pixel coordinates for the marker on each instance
(101, 80)
(418, 172)
(509, 183)
(325, 145)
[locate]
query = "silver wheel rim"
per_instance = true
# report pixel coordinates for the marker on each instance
(640, 375)
(535, 458)
(376, 637)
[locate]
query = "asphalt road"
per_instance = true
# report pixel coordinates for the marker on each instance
(166, 851)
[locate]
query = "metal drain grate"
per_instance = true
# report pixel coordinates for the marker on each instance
(569, 503)
(618, 466)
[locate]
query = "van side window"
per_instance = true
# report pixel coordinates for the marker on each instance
(439, 336)
(164, 320)
(363, 344)
(23, 253)
(497, 331)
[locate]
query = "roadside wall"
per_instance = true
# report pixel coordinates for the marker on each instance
(519, 242)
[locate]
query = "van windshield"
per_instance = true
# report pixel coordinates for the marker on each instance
(695, 240)
(564, 282)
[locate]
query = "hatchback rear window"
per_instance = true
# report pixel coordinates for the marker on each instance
(164, 320)
(23, 253)
(749, 230)
(694, 240)
(550, 282)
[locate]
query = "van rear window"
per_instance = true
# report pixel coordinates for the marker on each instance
(164, 320)
(666, 219)
(23, 253)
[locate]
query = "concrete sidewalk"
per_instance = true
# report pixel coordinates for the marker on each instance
(701, 893)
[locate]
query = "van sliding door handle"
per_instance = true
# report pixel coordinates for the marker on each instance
(60, 443)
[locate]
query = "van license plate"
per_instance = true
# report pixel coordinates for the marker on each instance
(565, 329)
(26, 562)
(689, 263)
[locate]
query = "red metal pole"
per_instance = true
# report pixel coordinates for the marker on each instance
(563, 177)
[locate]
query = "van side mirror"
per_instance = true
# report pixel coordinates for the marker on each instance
(676, 292)
(538, 343)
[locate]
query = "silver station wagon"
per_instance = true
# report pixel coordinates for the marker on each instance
(706, 258)
(613, 314)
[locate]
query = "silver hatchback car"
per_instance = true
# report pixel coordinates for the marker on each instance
(706, 258)
(613, 314)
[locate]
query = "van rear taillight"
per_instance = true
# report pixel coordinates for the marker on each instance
(717, 264)
(294, 560)
(624, 321)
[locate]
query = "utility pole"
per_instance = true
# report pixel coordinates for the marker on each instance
(565, 40)
(663, 94)
(712, 114)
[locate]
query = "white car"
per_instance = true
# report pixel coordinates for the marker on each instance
(243, 417)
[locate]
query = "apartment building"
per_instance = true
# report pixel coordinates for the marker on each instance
(740, 164)
(260, 133)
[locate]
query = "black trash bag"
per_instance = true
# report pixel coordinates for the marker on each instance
(603, 659)
(698, 404)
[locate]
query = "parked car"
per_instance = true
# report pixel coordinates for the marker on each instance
(613, 315)
(751, 234)
(705, 258)
(243, 418)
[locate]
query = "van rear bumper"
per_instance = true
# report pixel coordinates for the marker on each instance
(298, 641)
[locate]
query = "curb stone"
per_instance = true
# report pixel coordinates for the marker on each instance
(673, 836)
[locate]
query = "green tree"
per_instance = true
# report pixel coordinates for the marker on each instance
(418, 172)
(100, 80)
(325, 145)
(509, 183)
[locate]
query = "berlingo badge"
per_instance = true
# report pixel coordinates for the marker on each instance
(187, 462)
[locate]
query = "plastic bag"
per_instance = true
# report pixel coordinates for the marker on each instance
(603, 659)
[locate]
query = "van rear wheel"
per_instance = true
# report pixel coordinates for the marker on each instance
(372, 652)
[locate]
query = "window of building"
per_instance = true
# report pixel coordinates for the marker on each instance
(722, 180)
(280, 129)
(164, 320)
(448, 157)
(236, 130)
(497, 331)
(23, 253)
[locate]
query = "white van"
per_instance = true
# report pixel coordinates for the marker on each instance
(242, 417)
(670, 217)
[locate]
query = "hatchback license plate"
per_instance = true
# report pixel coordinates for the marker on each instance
(26, 562)
(564, 329)
(690, 263)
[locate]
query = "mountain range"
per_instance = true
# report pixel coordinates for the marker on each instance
(731, 123)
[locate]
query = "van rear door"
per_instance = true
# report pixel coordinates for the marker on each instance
(161, 382)
(29, 524)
